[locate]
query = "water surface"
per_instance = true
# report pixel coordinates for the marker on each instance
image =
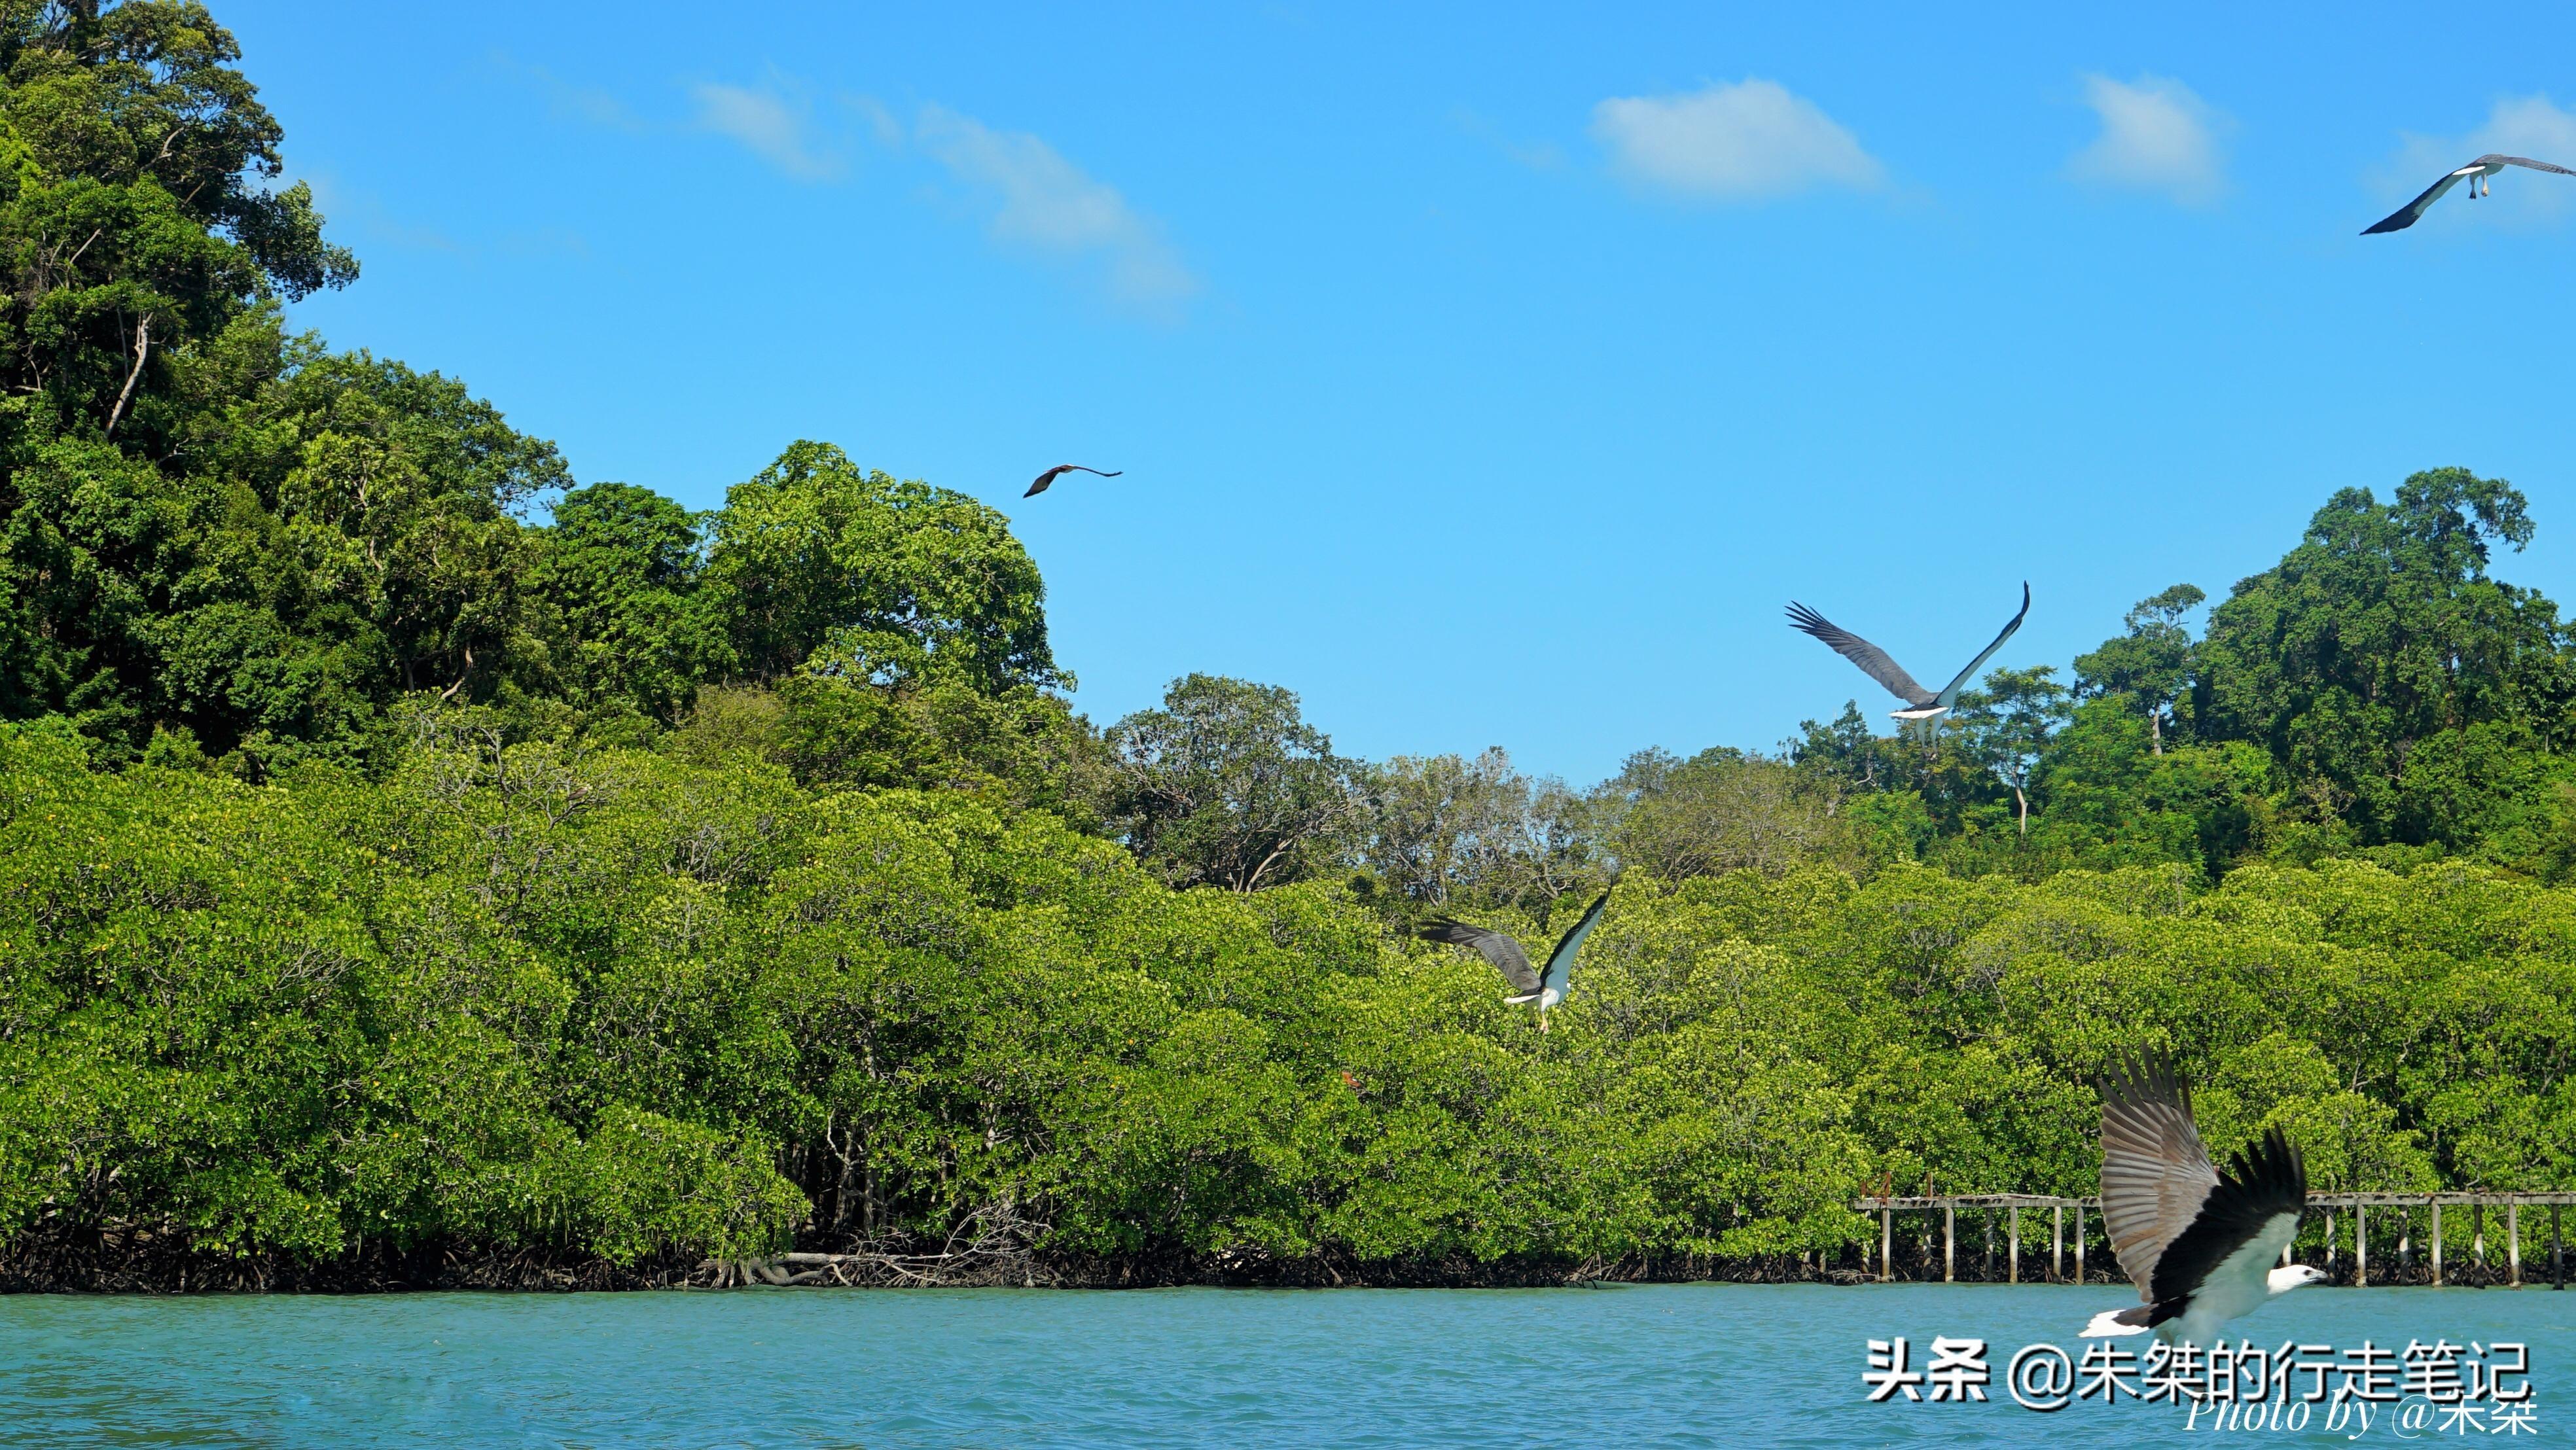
(1627, 1365)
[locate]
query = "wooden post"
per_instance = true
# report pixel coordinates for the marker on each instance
(2012, 1265)
(1950, 1244)
(2437, 1243)
(2513, 1243)
(2056, 1242)
(2557, 1252)
(2079, 1241)
(1886, 1240)
(2360, 1245)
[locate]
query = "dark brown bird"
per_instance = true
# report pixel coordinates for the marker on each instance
(1061, 469)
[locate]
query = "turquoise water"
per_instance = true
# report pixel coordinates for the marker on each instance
(1633, 1365)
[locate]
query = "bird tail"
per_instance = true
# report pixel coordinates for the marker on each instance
(1523, 998)
(2111, 1323)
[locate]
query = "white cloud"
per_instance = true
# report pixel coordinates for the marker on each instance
(881, 121)
(587, 104)
(1044, 202)
(2519, 126)
(1731, 142)
(772, 121)
(2530, 125)
(2156, 136)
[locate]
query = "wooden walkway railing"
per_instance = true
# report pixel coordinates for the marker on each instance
(2329, 1204)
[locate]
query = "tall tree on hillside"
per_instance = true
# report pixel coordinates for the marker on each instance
(1227, 785)
(2151, 664)
(621, 569)
(1451, 829)
(144, 257)
(896, 578)
(2381, 630)
(2007, 722)
(356, 537)
(134, 219)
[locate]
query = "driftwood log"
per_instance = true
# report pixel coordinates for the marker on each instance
(990, 1247)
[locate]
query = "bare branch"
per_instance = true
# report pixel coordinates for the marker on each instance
(450, 692)
(142, 348)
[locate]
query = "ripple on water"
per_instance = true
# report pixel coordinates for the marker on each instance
(1633, 1365)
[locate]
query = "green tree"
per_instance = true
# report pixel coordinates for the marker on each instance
(2111, 801)
(144, 257)
(2151, 664)
(898, 580)
(1851, 755)
(2007, 723)
(1445, 828)
(1227, 785)
(1722, 810)
(359, 539)
(1023, 747)
(2379, 632)
(621, 568)
(133, 218)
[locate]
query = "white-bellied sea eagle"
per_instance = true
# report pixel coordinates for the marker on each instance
(2201, 1245)
(2476, 174)
(1547, 986)
(1922, 706)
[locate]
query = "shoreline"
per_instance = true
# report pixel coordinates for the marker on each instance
(140, 1272)
(148, 1270)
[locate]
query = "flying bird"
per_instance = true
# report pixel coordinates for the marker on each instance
(2200, 1244)
(1059, 471)
(1546, 987)
(2476, 174)
(1921, 705)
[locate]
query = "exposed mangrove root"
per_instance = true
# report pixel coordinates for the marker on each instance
(990, 1249)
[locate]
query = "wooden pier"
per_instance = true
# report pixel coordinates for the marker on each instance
(2333, 1208)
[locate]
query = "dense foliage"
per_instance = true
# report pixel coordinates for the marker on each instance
(406, 847)
(616, 1003)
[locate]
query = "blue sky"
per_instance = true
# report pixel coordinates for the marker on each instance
(1488, 375)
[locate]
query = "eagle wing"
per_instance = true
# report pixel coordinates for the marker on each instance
(1873, 661)
(1494, 946)
(2264, 1182)
(2155, 1173)
(1560, 963)
(1950, 692)
(2413, 211)
(2535, 165)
